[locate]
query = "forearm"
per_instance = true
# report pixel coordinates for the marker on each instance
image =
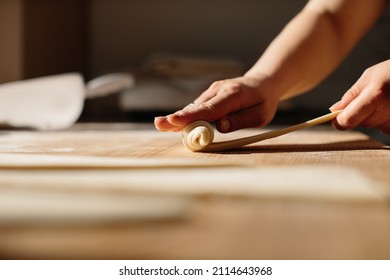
(304, 53)
(313, 44)
(296, 60)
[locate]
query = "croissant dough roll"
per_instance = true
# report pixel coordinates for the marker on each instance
(197, 136)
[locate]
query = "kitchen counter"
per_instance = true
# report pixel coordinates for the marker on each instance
(126, 191)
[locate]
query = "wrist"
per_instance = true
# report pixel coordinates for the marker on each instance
(268, 84)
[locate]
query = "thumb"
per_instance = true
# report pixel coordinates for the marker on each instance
(347, 98)
(352, 93)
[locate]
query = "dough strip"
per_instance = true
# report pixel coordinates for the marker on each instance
(198, 136)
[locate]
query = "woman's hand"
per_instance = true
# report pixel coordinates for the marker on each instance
(233, 104)
(367, 102)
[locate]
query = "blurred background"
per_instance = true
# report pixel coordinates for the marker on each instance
(173, 49)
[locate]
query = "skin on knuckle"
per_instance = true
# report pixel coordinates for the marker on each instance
(215, 86)
(208, 107)
(231, 88)
(351, 93)
(366, 72)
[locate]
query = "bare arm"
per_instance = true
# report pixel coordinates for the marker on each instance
(313, 44)
(303, 54)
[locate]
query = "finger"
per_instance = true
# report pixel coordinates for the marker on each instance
(196, 110)
(255, 116)
(336, 125)
(209, 93)
(351, 94)
(358, 110)
(190, 109)
(162, 124)
(228, 99)
(347, 98)
(208, 111)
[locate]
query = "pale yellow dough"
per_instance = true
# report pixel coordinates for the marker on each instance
(198, 136)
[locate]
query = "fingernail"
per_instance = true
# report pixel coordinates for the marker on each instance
(225, 125)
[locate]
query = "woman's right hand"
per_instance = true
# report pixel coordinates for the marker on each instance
(367, 102)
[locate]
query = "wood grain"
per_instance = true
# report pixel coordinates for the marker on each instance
(317, 193)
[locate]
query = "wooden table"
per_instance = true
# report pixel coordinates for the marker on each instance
(124, 191)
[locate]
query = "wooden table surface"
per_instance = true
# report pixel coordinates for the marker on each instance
(123, 191)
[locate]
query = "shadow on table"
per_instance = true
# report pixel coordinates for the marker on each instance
(321, 147)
